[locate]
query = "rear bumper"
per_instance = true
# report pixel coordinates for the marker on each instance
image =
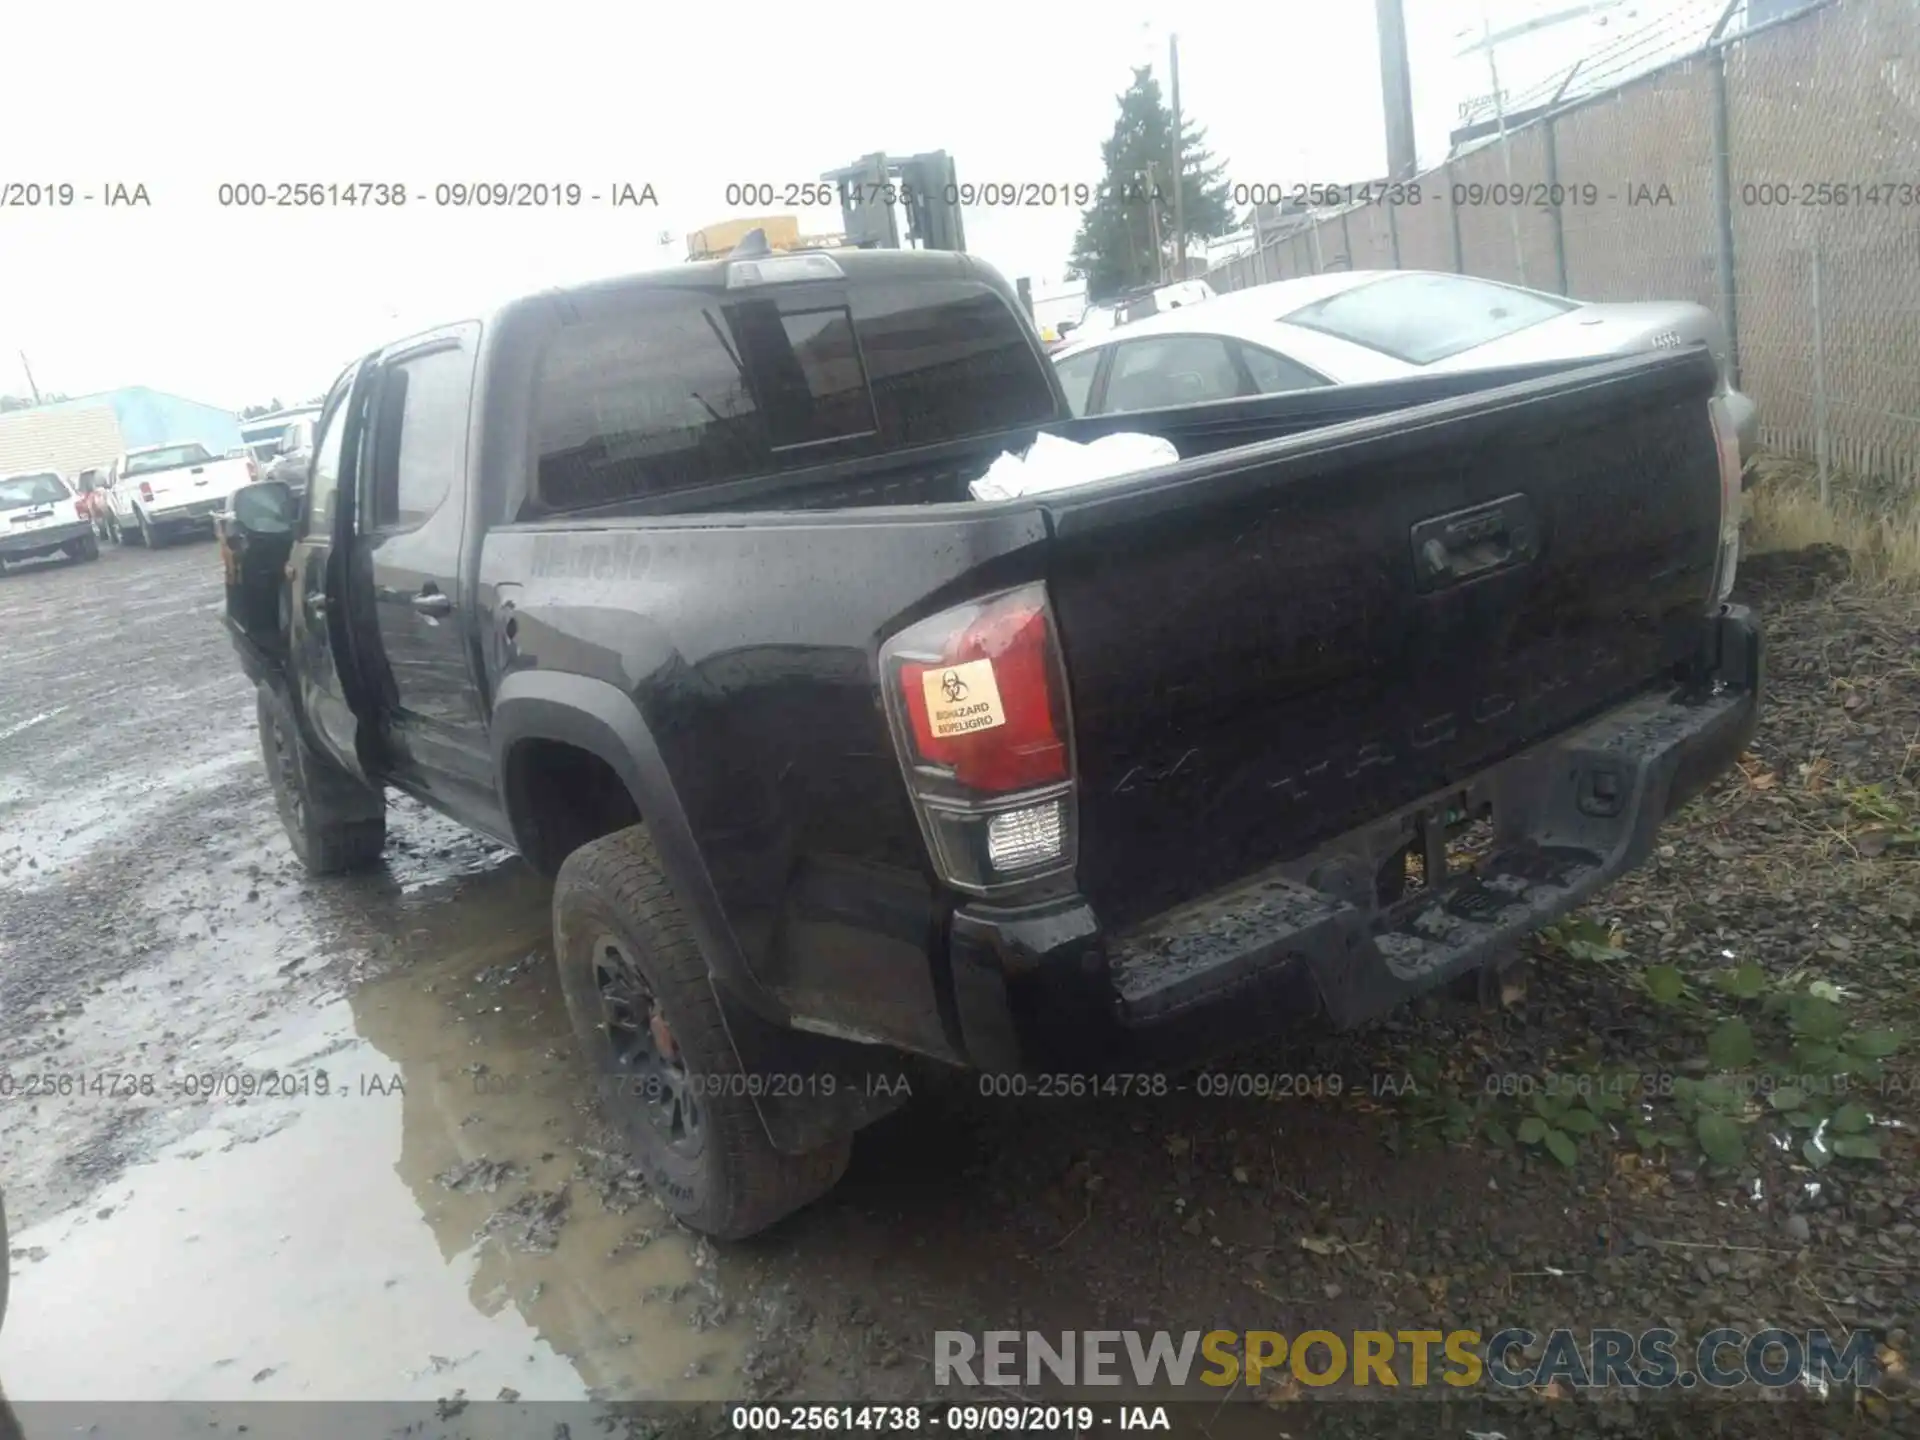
(198, 511)
(45, 541)
(1308, 940)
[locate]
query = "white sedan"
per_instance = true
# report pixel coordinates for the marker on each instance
(1354, 326)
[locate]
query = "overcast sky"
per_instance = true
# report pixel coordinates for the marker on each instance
(235, 307)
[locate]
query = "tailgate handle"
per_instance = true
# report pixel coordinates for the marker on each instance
(1449, 549)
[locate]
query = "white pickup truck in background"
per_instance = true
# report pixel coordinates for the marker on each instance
(161, 490)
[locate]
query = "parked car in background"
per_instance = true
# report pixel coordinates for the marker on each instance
(263, 433)
(40, 515)
(1094, 320)
(93, 500)
(1151, 300)
(162, 490)
(1355, 326)
(294, 455)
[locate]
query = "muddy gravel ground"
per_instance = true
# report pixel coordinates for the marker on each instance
(271, 1138)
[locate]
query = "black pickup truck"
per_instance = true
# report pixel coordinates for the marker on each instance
(674, 584)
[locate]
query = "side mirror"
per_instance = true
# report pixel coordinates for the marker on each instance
(265, 508)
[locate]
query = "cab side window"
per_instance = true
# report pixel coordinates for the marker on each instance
(420, 436)
(324, 485)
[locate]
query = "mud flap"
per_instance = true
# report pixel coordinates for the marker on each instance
(810, 1089)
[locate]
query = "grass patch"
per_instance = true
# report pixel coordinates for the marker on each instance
(1875, 519)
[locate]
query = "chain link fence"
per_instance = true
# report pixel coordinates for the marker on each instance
(1773, 176)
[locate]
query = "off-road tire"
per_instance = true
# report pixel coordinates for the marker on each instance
(738, 1184)
(334, 820)
(85, 548)
(149, 536)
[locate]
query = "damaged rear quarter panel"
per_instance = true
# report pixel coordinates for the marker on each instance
(748, 649)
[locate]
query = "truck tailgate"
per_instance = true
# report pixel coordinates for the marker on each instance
(1272, 645)
(208, 482)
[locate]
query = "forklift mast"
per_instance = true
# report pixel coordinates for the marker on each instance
(924, 188)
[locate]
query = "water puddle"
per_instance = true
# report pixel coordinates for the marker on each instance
(62, 833)
(418, 1206)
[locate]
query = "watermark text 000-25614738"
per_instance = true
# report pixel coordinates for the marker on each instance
(468, 194)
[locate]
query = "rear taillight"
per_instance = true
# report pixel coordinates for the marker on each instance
(977, 699)
(1726, 439)
(146, 491)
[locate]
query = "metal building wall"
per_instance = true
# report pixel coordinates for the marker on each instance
(153, 417)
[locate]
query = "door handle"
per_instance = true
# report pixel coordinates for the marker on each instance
(433, 602)
(1449, 549)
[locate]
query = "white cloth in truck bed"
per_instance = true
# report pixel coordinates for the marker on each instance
(1052, 463)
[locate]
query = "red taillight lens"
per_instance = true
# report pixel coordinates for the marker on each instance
(146, 491)
(977, 698)
(987, 711)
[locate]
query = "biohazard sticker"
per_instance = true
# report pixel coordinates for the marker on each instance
(962, 699)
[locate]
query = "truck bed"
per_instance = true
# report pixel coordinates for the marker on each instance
(940, 475)
(1262, 650)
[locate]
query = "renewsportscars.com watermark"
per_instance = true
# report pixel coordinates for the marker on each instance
(1512, 1359)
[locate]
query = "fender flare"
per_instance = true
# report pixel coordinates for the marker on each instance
(603, 720)
(599, 718)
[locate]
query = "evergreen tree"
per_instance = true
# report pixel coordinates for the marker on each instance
(1114, 248)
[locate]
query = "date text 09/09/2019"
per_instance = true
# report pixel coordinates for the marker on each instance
(444, 195)
(192, 1085)
(1461, 194)
(56, 194)
(989, 1419)
(981, 194)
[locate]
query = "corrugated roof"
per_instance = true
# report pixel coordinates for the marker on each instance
(107, 397)
(68, 437)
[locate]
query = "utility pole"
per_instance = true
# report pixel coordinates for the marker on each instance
(1179, 158)
(1153, 228)
(1506, 151)
(29, 369)
(1396, 88)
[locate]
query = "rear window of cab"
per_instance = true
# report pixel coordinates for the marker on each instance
(694, 390)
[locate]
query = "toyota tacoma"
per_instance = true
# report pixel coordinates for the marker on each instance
(674, 584)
